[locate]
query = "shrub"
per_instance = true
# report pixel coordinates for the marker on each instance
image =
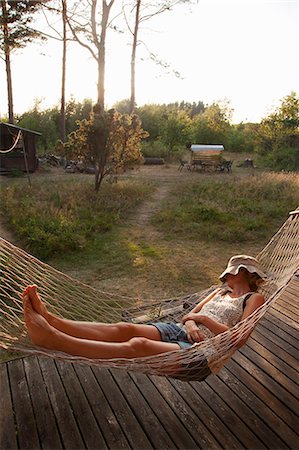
(59, 216)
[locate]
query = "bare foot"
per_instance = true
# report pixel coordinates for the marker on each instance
(40, 331)
(36, 302)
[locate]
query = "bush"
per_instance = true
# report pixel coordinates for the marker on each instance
(155, 149)
(283, 158)
(59, 216)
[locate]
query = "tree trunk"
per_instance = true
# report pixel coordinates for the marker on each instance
(133, 57)
(99, 176)
(7, 63)
(102, 54)
(62, 106)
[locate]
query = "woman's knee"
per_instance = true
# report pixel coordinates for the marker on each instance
(139, 346)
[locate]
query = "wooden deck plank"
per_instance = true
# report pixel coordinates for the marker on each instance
(287, 388)
(265, 404)
(289, 306)
(286, 311)
(263, 380)
(275, 347)
(177, 404)
(104, 414)
(293, 326)
(8, 436)
(68, 428)
(205, 414)
(129, 422)
(25, 420)
(282, 331)
(228, 415)
(141, 408)
(278, 358)
(277, 339)
(169, 420)
(257, 425)
(280, 323)
(44, 417)
(82, 411)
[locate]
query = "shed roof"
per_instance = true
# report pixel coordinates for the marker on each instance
(16, 127)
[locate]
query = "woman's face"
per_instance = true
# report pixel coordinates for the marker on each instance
(232, 279)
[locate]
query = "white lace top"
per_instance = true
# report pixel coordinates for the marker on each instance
(224, 309)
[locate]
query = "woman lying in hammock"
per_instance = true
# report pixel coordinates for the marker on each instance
(217, 313)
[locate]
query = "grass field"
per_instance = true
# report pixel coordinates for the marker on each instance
(157, 232)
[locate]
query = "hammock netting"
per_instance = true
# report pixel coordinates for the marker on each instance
(72, 299)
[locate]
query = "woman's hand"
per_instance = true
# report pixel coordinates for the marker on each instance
(193, 333)
(196, 317)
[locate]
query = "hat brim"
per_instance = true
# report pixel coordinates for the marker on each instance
(233, 270)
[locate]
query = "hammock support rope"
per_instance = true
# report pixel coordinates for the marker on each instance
(72, 299)
(2, 151)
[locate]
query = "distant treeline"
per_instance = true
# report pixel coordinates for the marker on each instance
(172, 127)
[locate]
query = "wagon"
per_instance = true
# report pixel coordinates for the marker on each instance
(208, 158)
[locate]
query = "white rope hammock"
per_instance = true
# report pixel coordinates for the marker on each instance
(72, 299)
(14, 144)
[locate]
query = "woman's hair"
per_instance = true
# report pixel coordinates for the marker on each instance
(254, 280)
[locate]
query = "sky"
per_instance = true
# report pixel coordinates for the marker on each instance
(242, 51)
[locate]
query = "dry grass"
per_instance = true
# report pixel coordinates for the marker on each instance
(139, 258)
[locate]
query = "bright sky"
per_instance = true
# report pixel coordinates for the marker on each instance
(246, 51)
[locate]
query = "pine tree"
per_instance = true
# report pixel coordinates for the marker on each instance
(16, 33)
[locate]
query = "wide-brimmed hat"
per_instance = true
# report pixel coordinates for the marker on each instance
(245, 261)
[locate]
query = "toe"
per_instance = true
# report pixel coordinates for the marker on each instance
(26, 302)
(33, 292)
(25, 291)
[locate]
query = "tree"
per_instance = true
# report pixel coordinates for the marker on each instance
(123, 106)
(175, 131)
(279, 134)
(152, 120)
(88, 32)
(108, 140)
(241, 137)
(144, 11)
(61, 9)
(16, 33)
(211, 126)
(63, 71)
(47, 122)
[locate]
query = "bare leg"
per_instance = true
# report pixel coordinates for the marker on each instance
(118, 332)
(44, 335)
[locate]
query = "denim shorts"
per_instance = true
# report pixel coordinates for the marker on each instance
(173, 333)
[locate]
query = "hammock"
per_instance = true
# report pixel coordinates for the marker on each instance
(72, 299)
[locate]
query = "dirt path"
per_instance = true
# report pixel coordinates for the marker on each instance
(165, 177)
(142, 216)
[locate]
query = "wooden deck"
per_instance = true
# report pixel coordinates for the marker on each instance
(252, 404)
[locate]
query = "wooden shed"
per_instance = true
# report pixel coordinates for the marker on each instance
(17, 148)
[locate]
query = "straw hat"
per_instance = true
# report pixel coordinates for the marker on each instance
(245, 261)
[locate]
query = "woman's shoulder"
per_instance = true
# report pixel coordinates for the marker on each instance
(255, 298)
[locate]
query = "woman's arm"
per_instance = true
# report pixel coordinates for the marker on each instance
(199, 306)
(254, 302)
(193, 332)
(213, 325)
